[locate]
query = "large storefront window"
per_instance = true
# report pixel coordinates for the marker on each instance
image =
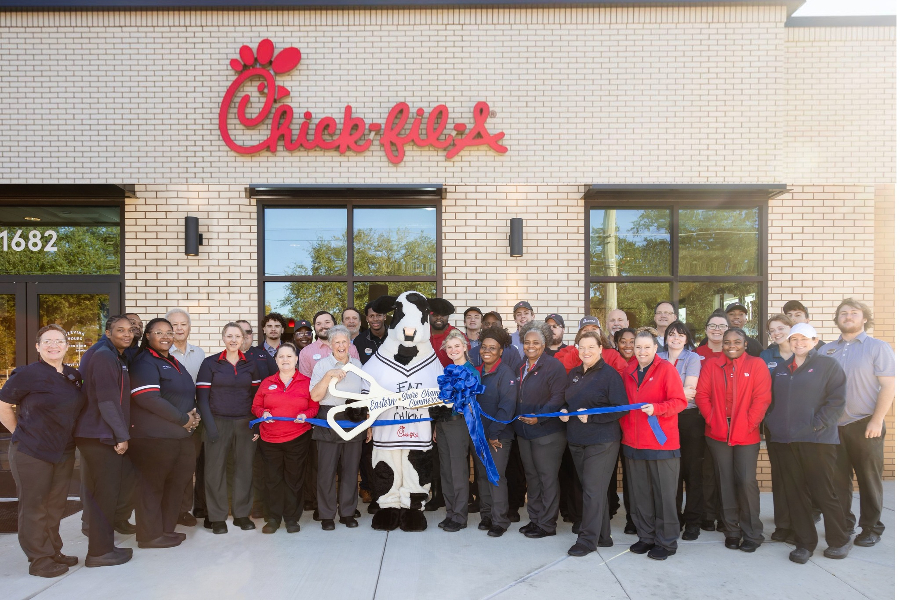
(328, 258)
(699, 258)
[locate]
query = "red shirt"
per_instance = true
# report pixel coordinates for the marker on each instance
(284, 401)
(705, 352)
(729, 387)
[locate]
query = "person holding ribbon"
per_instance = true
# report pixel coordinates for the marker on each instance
(542, 440)
(453, 441)
(285, 444)
(333, 450)
(653, 465)
(49, 398)
(733, 394)
(498, 401)
(593, 439)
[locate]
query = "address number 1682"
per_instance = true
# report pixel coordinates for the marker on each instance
(33, 240)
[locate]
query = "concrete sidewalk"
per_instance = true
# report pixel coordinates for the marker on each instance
(363, 563)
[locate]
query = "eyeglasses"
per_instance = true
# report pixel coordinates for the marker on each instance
(717, 327)
(163, 333)
(53, 342)
(667, 313)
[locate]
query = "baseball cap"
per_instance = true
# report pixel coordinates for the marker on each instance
(736, 306)
(588, 321)
(557, 318)
(473, 308)
(804, 329)
(794, 305)
(303, 323)
(522, 304)
(494, 314)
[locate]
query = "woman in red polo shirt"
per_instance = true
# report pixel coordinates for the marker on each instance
(733, 394)
(284, 444)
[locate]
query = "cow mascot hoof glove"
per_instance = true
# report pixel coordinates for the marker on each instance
(401, 454)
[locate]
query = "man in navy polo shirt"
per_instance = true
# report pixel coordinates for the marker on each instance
(869, 366)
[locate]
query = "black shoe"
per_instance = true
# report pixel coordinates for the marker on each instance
(474, 507)
(579, 550)
(373, 508)
(496, 531)
(45, 566)
(630, 529)
(187, 519)
(748, 546)
(162, 541)
(349, 522)
(691, 533)
(69, 561)
(207, 523)
(576, 527)
(453, 527)
(271, 526)
(176, 535)
(708, 525)
(720, 527)
(800, 555)
(433, 504)
(356, 514)
(244, 523)
(316, 516)
(867, 539)
(781, 535)
(485, 524)
(530, 526)
(125, 528)
(118, 556)
(566, 518)
(608, 543)
(838, 552)
(200, 513)
(327, 524)
(641, 547)
(539, 533)
(659, 553)
(292, 526)
(219, 527)
(445, 522)
(732, 543)
(513, 516)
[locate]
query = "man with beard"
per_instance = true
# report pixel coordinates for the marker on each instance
(352, 320)
(522, 314)
(558, 328)
(303, 334)
(319, 349)
(869, 366)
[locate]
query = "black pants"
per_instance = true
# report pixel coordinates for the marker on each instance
(125, 500)
(811, 466)
(612, 491)
(365, 467)
(453, 446)
(235, 439)
(864, 457)
(571, 501)
(494, 499)
(515, 478)
(164, 467)
(190, 490)
(105, 467)
(692, 433)
(593, 465)
(541, 458)
(199, 478)
(652, 488)
(739, 490)
(43, 488)
(779, 487)
(712, 501)
(283, 472)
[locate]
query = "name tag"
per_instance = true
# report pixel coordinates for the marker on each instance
(317, 356)
(368, 351)
(273, 387)
(772, 365)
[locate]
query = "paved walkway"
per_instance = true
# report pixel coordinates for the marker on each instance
(363, 563)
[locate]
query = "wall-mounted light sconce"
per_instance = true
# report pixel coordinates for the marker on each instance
(516, 237)
(193, 239)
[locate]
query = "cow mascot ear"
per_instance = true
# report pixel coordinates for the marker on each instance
(440, 306)
(384, 304)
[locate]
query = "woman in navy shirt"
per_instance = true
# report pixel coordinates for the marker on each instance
(42, 451)
(163, 416)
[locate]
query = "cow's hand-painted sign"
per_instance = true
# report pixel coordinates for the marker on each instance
(353, 133)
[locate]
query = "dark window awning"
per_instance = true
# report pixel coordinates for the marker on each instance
(302, 191)
(687, 191)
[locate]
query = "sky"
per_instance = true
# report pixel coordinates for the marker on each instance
(823, 8)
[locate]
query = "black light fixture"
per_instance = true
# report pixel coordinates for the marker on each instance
(193, 239)
(516, 237)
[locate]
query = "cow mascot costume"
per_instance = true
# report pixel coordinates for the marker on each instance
(401, 454)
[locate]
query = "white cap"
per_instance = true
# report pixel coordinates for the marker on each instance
(804, 329)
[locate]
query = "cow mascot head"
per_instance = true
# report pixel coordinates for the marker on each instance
(402, 453)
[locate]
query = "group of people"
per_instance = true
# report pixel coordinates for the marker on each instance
(165, 429)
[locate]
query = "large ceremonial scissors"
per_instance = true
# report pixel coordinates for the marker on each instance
(377, 401)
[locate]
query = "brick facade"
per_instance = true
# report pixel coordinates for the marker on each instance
(624, 95)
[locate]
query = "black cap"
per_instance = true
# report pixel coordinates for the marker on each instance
(494, 314)
(588, 321)
(557, 318)
(303, 323)
(522, 304)
(736, 306)
(471, 309)
(794, 305)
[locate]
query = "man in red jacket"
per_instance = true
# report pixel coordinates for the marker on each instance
(733, 393)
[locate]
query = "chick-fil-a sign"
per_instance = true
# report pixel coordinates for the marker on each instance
(353, 133)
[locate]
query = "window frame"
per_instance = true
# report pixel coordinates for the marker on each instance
(625, 201)
(350, 278)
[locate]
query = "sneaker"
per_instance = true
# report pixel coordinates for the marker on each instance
(800, 555)
(838, 552)
(641, 547)
(659, 553)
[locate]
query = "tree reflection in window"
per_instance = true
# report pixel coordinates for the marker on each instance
(631, 243)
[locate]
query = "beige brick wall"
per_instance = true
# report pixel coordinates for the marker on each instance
(884, 303)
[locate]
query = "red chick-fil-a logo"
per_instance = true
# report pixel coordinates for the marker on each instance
(352, 132)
